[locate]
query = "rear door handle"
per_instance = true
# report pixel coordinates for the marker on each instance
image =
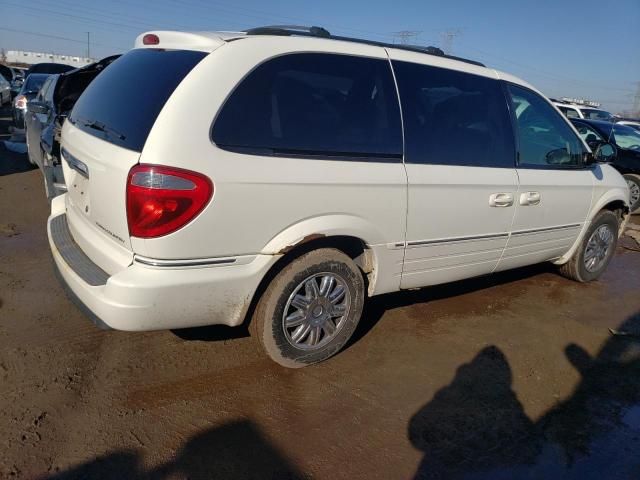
(504, 199)
(530, 198)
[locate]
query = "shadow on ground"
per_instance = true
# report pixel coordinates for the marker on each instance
(237, 450)
(476, 427)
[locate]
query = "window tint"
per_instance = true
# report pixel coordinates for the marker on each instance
(122, 103)
(569, 112)
(34, 83)
(594, 114)
(314, 104)
(587, 133)
(545, 139)
(626, 137)
(453, 118)
(43, 90)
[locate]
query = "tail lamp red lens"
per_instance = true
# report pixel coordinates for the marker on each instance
(161, 200)
(150, 39)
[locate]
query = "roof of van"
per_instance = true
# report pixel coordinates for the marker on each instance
(212, 40)
(209, 41)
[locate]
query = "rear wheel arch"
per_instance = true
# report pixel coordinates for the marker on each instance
(354, 247)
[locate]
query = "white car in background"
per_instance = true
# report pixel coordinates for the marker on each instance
(572, 110)
(284, 176)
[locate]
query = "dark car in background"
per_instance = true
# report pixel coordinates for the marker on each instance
(5, 91)
(46, 114)
(627, 142)
(6, 72)
(29, 90)
(13, 77)
(48, 68)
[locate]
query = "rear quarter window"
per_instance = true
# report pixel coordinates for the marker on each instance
(314, 104)
(123, 102)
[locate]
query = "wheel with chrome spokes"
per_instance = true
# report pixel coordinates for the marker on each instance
(310, 309)
(596, 249)
(316, 311)
(633, 181)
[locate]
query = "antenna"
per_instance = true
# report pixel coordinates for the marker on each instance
(447, 39)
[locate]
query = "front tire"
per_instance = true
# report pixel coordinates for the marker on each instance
(595, 251)
(310, 309)
(633, 181)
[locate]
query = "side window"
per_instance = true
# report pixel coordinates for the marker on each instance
(587, 133)
(454, 118)
(572, 113)
(568, 112)
(314, 104)
(43, 91)
(48, 96)
(545, 139)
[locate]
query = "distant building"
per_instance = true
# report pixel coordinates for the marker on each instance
(31, 58)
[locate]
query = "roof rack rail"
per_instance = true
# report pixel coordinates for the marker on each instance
(289, 30)
(314, 31)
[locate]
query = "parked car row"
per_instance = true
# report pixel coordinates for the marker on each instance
(319, 171)
(46, 113)
(572, 110)
(627, 156)
(14, 76)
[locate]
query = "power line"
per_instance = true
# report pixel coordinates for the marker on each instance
(405, 35)
(544, 73)
(67, 39)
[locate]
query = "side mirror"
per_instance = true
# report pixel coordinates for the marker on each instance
(605, 153)
(37, 107)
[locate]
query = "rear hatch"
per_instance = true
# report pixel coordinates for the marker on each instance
(103, 138)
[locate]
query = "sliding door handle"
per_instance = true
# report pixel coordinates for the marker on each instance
(530, 198)
(501, 199)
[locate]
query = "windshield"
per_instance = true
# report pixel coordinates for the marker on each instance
(594, 114)
(626, 137)
(122, 103)
(34, 83)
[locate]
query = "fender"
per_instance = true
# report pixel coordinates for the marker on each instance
(617, 192)
(386, 258)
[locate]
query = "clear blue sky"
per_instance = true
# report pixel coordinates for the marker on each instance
(564, 47)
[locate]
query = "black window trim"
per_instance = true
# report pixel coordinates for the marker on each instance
(370, 157)
(514, 126)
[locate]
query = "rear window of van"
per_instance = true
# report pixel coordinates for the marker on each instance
(123, 102)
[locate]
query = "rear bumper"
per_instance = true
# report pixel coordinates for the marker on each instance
(144, 297)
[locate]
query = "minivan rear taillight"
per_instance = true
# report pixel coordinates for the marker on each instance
(161, 200)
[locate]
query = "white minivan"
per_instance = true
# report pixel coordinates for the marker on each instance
(282, 176)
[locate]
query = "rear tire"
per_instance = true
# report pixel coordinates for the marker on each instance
(633, 181)
(310, 309)
(595, 251)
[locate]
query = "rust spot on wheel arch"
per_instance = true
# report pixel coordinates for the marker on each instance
(302, 241)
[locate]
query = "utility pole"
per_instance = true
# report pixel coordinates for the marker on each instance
(447, 39)
(404, 36)
(88, 45)
(636, 102)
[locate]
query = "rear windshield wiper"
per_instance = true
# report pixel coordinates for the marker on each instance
(101, 127)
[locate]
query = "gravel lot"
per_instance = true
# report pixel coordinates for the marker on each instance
(510, 376)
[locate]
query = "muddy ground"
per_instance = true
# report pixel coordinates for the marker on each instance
(511, 376)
